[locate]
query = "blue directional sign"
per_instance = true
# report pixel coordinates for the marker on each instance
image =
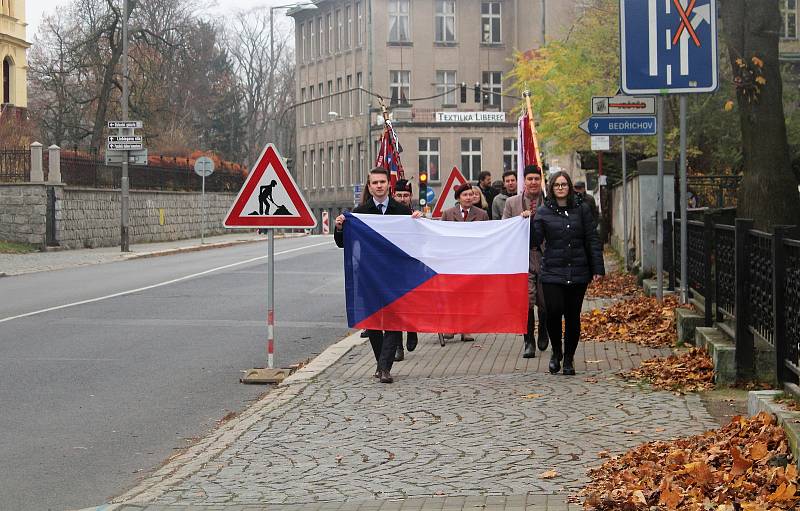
(668, 46)
(619, 126)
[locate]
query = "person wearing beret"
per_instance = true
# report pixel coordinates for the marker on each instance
(464, 211)
(404, 195)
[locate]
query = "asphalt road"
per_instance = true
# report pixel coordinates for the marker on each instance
(95, 395)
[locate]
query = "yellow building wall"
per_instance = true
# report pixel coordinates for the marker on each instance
(13, 47)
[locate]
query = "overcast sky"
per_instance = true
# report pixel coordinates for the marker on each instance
(35, 9)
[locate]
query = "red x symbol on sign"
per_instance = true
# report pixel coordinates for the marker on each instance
(684, 14)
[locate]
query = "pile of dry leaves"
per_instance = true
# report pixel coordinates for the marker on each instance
(641, 320)
(744, 466)
(692, 371)
(614, 285)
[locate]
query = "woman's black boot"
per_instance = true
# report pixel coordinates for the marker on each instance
(555, 364)
(569, 367)
(530, 349)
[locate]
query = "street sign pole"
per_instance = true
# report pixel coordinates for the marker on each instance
(660, 204)
(683, 205)
(271, 298)
(203, 196)
(625, 205)
(124, 185)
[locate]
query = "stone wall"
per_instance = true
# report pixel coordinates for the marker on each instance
(91, 218)
(23, 212)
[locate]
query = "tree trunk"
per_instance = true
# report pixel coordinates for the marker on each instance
(768, 192)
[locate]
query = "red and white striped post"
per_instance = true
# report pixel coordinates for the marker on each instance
(271, 298)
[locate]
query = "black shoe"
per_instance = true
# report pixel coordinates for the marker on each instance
(377, 373)
(441, 339)
(530, 351)
(542, 341)
(386, 377)
(364, 334)
(399, 355)
(555, 364)
(569, 368)
(411, 342)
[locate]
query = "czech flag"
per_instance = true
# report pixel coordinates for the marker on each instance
(420, 275)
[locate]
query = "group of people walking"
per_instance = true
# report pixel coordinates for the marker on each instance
(565, 254)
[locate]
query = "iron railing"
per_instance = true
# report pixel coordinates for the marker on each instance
(15, 165)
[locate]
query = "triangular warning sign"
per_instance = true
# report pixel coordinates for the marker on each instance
(269, 197)
(446, 199)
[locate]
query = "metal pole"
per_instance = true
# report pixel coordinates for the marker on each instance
(203, 226)
(660, 204)
(271, 298)
(544, 22)
(625, 205)
(370, 144)
(124, 185)
(684, 193)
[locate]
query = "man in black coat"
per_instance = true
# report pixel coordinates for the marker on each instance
(384, 344)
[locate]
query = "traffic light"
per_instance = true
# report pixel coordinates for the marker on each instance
(463, 92)
(477, 92)
(423, 188)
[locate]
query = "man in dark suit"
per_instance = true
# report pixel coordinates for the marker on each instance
(384, 344)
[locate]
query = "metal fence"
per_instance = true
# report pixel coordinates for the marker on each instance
(15, 165)
(750, 280)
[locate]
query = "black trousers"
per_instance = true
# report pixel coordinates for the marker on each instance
(564, 301)
(384, 345)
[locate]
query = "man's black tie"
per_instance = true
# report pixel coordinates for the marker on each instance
(380, 207)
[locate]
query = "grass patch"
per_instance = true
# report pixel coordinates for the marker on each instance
(10, 247)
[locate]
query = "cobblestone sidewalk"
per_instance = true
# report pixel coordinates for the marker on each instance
(464, 426)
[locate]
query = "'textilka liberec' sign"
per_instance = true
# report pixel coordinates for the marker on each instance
(470, 117)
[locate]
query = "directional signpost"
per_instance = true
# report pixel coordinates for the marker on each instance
(623, 105)
(203, 167)
(619, 126)
(669, 47)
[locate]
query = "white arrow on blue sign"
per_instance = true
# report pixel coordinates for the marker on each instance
(668, 46)
(619, 126)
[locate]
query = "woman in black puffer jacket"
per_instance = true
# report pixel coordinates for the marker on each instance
(573, 256)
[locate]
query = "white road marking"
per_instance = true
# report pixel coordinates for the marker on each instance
(652, 23)
(153, 286)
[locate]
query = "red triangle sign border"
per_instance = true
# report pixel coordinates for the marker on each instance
(235, 217)
(447, 189)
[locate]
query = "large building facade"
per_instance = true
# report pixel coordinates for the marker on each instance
(14, 64)
(412, 56)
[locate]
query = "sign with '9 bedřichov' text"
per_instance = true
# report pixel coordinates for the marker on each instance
(619, 126)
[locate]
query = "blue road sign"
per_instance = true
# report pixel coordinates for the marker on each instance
(430, 196)
(619, 126)
(668, 46)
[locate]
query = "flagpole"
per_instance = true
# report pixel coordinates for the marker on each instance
(527, 96)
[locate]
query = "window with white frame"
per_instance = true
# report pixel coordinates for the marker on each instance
(359, 23)
(339, 98)
(789, 19)
(348, 98)
(329, 106)
(305, 105)
(331, 167)
(359, 84)
(362, 158)
(491, 23)
(429, 157)
(399, 86)
(320, 36)
(446, 84)
(471, 158)
(311, 45)
(330, 33)
(350, 165)
(341, 166)
(493, 87)
(399, 20)
(509, 154)
(304, 177)
(322, 113)
(348, 25)
(445, 21)
(313, 158)
(339, 30)
(322, 174)
(311, 101)
(302, 32)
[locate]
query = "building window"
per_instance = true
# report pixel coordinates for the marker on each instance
(399, 20)
(399, 86)
(339, 30)
(313, 156)
(302, 31)
(350, 165)
(305, 106)
(359, 84)
(490, 23)
(362, 157)
(445, 19)
(330, 97)
(348, 98)
(311, 100)
(330, 33)
(322, 174)
(359, 23)
(320, 34)
(348, 25)
(789, 17)
(310, 51)
(509, 154)
(331, 166)
(446, 84)
(339, 98)
(471, 158)
(492, 88)
(429, 157)
(304, 177)
(342, 181)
